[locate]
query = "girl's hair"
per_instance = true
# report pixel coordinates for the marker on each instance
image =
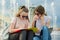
(21, 9)
(40, 9)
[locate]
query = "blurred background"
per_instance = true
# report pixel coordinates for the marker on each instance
(8, 9)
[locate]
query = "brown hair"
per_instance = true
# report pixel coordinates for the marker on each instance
(21, 9)
(40, 9)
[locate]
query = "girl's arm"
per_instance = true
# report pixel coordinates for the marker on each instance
(11, 28)
(34, 19)
(48, 24)
(33, 24)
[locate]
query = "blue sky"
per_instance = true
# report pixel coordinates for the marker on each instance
(36, 3)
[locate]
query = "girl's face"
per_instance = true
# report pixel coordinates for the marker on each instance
(38, 14)
(24, 15)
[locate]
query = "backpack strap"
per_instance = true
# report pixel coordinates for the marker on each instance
(15, 23)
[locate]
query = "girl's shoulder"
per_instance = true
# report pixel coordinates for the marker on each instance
(14, 19)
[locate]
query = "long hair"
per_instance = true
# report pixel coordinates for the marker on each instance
(21, 9)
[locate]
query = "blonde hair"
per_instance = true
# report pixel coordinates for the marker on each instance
(21, 9)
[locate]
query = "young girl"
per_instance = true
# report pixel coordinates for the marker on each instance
(40, 20)
(20, 24)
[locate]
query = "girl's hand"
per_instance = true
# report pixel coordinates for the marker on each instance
(35, 18)
(38, 30)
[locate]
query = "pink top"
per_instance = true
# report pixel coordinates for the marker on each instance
(22, 24)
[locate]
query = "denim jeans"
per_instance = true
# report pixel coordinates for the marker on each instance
(45, 34)
(36, 38)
